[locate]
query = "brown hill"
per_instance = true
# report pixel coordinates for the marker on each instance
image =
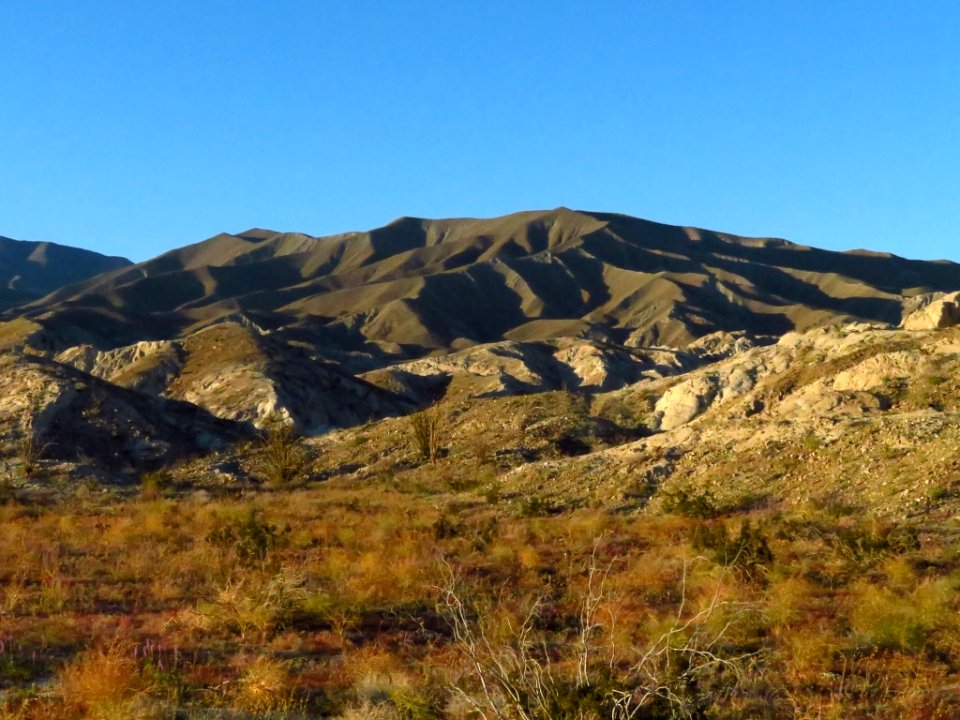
(338, 331)
(29, 270)
(418, 286)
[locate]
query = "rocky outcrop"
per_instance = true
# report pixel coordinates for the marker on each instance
(76, 417)
(237, 372)
(512, 368)
(761, 377)
(943, 312)
(147, 366)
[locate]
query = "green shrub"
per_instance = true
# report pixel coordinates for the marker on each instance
(748, 551)
(892, 620)
(250, 538)
(941, 493)
(534, 506)
(411, 705)
(691, 504)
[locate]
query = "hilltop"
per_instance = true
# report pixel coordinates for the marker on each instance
(29, 270)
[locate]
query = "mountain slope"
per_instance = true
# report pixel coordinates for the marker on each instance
(669, 329)
(30, 270)
(417, 286)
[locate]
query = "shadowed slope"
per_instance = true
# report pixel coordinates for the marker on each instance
(30, 270)
(416, 285)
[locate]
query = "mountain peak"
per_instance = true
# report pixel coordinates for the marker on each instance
(256, 234)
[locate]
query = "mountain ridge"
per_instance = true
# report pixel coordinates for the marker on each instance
(417, 285)
(31, 269)
(351, 330)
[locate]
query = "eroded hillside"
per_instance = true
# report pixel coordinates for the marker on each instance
(856, 412)
(586, 357)
(419, 286)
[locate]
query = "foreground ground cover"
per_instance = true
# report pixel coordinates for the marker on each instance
(334, 600)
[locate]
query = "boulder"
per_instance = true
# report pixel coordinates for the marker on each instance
(941, 313)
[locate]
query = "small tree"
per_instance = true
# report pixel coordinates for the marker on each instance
(282, 458)
(425, 429)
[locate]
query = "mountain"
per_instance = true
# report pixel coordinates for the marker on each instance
(239, 331)
(29, 270)
(419, 286)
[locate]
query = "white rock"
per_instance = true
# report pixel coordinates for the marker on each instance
(941, 313)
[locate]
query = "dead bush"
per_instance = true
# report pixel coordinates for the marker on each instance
(523, 674)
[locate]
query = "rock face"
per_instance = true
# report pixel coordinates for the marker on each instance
(943, 312)
(74, 416)
(580, 364)
(239, 373)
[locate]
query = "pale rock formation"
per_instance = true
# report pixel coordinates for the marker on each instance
(944, 312)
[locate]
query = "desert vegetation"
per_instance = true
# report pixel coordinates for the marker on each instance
(369, 600)
(425, 428)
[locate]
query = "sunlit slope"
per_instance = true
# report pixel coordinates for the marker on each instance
(424, 285)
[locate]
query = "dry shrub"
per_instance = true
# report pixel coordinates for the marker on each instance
(387, 692)
(155, 484)
(652, 577)
(788, 601)
(481, 445)
(369, 710)
(105, 682)
(528, 557)
(265, 688)
(584, 525)
(257, 605)
(509, 670)
(808, 651)
(29, 450)
(893, 620)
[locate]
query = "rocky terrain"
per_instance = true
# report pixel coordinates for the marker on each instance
(666, 354)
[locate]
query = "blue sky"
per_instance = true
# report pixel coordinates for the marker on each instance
(135, 127)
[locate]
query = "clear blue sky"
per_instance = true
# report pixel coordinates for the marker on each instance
(132, 127)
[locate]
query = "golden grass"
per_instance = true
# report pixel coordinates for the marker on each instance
(104, 682)
(338, 617)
